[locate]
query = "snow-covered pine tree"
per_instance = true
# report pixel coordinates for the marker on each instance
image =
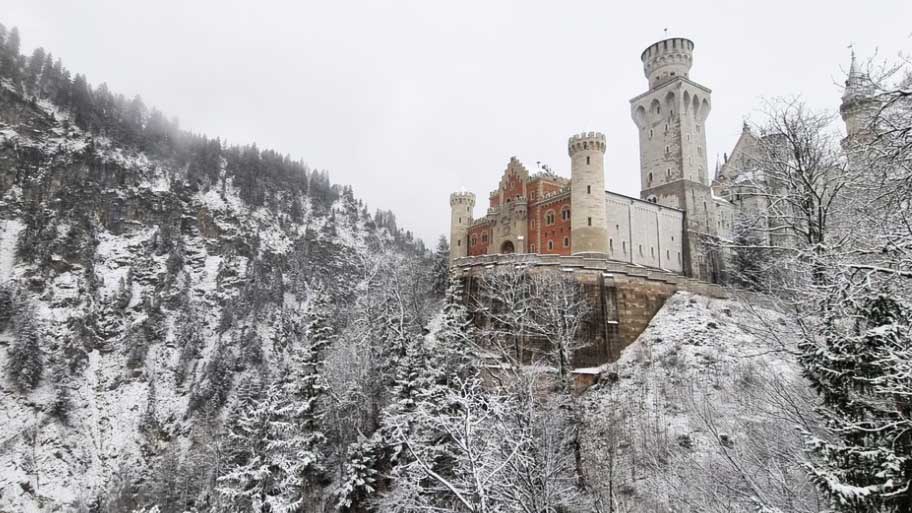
(279, 450)
(25, 362)
(861, 371)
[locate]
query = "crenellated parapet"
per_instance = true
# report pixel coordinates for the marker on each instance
(586, 141)
(667, 59)
(462, 198)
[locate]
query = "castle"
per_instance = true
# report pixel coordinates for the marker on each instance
(680, 220)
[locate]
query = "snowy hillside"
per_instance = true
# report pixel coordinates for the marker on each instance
(701, 413)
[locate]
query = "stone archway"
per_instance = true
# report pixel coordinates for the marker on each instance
(507, 247)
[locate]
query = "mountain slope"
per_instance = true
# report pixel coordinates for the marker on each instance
(143, 277)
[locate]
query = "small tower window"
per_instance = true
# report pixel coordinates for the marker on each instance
(668, 172)
(667, 254)
(652, 252)
(641, 249)
(459, 243)
(566, 242)
(587, 160)
(611, 245)
(460, 219)
(589, 220)
(649, 181)
(532, 248)
(650, 133)
(667, 150)
(550, 245)
(624, 246)
(588, 189)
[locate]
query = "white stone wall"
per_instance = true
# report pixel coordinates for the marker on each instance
(644, 233)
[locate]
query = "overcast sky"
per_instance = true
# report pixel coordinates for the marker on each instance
(409, 101)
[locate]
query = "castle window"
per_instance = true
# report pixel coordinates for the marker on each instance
(531, 248)
(588, 189)
(667, 254)
(550, 245)
(587, 160)
(641, 249)
(679, 257)
(565, 214)
(459, 243)
(650, 133)
(611, 245)
(649, 181)
(549, 218)
(474, 241)
(652, 251)
(667, 150)
(460, 219)
(566, 242)
(589, 220)
(624, 246)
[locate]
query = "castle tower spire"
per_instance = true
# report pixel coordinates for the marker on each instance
(859, 106)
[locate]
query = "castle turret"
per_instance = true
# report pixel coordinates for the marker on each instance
(859, 106)
(461, 205)
(588, 223)
(671, 118)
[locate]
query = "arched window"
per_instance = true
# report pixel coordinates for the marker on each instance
(611, 245)
(587, 160)
(549, 217)
(588, 189)
(531, 248)
(566, 242)
(550, 245)
(589, 221)
(649, 179)
(641, 249)
(565, 214)
(474, 240)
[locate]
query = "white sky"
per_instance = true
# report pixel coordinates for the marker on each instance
(409, 101)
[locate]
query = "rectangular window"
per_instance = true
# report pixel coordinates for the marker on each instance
(587, 160)
(588, 189)
(589, 219)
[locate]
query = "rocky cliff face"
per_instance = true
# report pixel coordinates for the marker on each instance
(136, 290)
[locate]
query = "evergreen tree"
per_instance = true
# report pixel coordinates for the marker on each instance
(24, 358)
(440, 271)
(861, 371)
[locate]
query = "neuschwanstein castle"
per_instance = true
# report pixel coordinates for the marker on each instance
(680, 220)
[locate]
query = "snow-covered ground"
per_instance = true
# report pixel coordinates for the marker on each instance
(701, 410)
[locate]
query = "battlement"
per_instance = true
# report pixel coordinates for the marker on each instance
(586, 141)
(462, 198)
(667, 59)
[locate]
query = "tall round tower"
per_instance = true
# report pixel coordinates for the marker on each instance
(588, 218)
(461, 205)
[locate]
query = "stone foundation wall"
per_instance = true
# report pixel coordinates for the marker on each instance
(623, 297)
